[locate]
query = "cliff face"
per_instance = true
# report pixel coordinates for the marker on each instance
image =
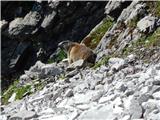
(124, 83)
(32, 30)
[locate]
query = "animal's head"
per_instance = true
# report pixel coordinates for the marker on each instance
(65, 45)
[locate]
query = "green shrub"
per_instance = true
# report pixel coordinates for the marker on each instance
(103, 61)
(58, 57)
(146, 42)
(97, 35)
(15, 88)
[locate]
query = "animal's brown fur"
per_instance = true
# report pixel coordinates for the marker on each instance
(76, 51)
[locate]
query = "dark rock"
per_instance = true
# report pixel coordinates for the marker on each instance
(24, 27)
(20, 55)
(69, 93)
(114, 8)
(3, 24)
(44, 24)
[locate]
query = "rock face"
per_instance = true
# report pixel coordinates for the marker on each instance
(30, 28)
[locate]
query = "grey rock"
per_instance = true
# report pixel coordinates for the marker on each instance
(3, 24)
(105, 99)
(156, 82)
(126, 117)
(149, 105)
(116, 63)
(12, 98)
(72, 73)
(23, 115)
(24, 26)
(131, 58)
(48, 19)
(32, 19)
(54, 117)
(68, 93)
(97, 95)
(143, 98)
(98, 113)
(16, 26)
(3, 117)
(81, 87)
(121, 87)
(156, 95)
(147, 24)
(74, 115)
(131, 11)
(24, 78)
(153, 115)
(50, 69)
(76, 64)
(83, 107)
(37, 67)
(134, 108)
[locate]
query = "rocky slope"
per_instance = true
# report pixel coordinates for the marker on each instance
(32, 30)
(124, 83)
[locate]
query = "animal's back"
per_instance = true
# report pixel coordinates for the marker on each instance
(80, 51)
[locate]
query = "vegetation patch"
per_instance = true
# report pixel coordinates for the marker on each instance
(59, 56)
(20, 91)
(15, 88)
(145, 46)
(95, 36)
(103, 61)
(154, 7)
(133, 22)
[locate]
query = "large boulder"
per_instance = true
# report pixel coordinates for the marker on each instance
(147, 24)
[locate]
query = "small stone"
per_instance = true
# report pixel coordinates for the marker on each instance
(153, 116)
(156, 82)
(72, 73)
(156, 95)
(127, 117)
(24, 115)
(24, 78)
(69, 93)
(3, 24)
(83, 107)
(96, 96)
(143, 98)
(76, 64)
(106, 98)
(144, 90)
(74, 115)
(12, 98)
(116, 63)
(131, 58)
(134, 108)
(3, 117)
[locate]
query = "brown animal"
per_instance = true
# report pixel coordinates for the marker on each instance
(76, 51)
